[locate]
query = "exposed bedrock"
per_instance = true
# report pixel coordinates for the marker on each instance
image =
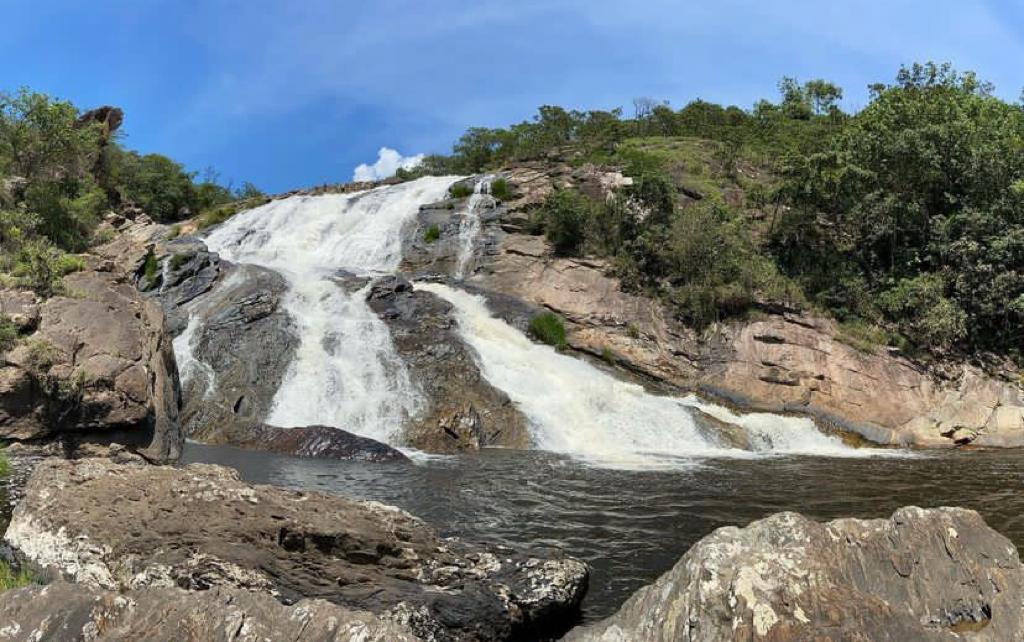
(129, 527)
(64, 612)
(316, 441)
(463, 411)
(928, 575)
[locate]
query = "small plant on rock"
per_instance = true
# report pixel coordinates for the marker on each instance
(432, 234)
(549, 328)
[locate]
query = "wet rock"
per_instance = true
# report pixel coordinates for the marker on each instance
(464, 411)
(123, 527)
(98, 369)
(63, 612)
(317, 441)
(938, 574)
(241, 347)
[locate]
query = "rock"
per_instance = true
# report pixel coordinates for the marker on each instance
(317, 441)
(63, 612)
(21, 307)
(241, 346)
(938, 574)
(464, 411)
(124, 527)
(110, 118)
(98, 369)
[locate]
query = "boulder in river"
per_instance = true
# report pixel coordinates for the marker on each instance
(322, 442)
(938, 574)
(128, 527)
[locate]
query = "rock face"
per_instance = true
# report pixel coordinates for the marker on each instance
(63, 612)
(241, 345)
(130, 527)
(317, 441)
(98, 368)
(464, 411)
(938, 574)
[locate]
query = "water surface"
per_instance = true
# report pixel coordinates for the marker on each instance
(632, 526)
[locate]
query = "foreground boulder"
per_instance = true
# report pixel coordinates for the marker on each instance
(938, 574)
(63, 612)
(93, 365)
(125, 527)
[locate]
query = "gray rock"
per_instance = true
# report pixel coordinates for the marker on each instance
(464, 411)
(128, 527)
(317, 441)
(938, 574)
(63, 612)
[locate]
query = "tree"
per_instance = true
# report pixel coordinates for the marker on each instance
(823, 95)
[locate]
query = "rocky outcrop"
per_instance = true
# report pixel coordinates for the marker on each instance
(464, 411)
(241, 345)
(63, 612)
(937, 574)
(94, 366)
(128, 527)
(316, 441)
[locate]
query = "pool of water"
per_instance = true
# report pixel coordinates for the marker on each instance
(632, 526)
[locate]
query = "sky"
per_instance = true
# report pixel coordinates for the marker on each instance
(293, 93)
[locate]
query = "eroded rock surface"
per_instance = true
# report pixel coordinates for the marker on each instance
(115, 527)
(464, 411)
(928, 575)
(63, 612)
(94, 365)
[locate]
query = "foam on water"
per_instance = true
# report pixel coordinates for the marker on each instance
(579, 410)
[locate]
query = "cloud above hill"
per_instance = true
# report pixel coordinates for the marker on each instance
(388, 162)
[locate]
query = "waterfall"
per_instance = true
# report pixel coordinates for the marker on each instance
(469, 227)
(345, 372)
(577, 409)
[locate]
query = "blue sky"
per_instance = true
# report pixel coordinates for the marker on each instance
(294, 93)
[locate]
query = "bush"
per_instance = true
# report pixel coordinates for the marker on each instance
(565, 216)
(926, 316)
(548, 328)
(8, 333)
(460, 190)
(11, 579)
(432, 234)
(500, 189)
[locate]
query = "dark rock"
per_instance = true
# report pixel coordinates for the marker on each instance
(63, 612)
(938, 574)
(317, 441)
(109, 117)
(464, 411)
(123, 527)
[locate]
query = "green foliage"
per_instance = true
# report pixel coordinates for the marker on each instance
(8, 333)
(150, 270)
(549, 328)
(11, 579)
(460, 190)
(500, 189)
(432, 234)
(42, 355)
(179, 260)
(565, 216)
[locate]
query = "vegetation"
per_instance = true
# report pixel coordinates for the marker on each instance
(904, 220)
(11, 579)
(460, 190)
(59, 172)
(549, 328)
(500, 189)
(432, 234)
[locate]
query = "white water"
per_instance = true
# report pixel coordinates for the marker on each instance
(345, 373)
(577, 409)
(189, 367)
(469, 227)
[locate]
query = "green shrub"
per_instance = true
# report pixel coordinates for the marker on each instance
(8, 333)
(150, 269)
(548, 328)
(179, 260)
(11, 579)
(924, 314)
(39, 266)
(42, 355)
(432, 234)
(500, 189)
(460, 190)
(565, 217)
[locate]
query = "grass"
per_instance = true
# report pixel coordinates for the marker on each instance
(150, 268)
(549, 328)
(432, 234)
(862, 336)
(11, 579)
(8, 333)
(500, 189)
(219, 214)
(179, 260)
(460, 190)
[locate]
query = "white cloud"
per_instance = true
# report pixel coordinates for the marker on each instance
(388, 162)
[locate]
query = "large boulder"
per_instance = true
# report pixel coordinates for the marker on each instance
(127, 527)
(98, 368)
(463, 412)
(938, 574)
(323, 442)
(63, 612)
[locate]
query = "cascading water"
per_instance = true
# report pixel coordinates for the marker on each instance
(345, 373)
(469, 227)
(577, 409)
